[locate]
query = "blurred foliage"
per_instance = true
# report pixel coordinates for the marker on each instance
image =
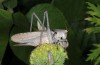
(10, 4)
(15, 18)
(74, 11)
(95, 55)
(94, 18)
(5, 25)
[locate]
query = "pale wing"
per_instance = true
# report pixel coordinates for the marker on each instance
(34, 41)
(26, 37)
(37, 41)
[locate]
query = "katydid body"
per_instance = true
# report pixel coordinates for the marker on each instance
(46, 35)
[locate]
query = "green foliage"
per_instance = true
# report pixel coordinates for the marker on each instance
(95, 55)
(93, 29)
(1, 1)
(5, 14)
(5, 25)
(10, 4)
(94, 12)
(39, 56)
(74, 11)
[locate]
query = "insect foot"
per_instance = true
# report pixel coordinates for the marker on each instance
(48, 54)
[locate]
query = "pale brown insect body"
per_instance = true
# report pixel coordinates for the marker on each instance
(33, 38)
(58, 36)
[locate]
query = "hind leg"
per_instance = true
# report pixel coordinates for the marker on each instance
(48, 28)
(38, 22)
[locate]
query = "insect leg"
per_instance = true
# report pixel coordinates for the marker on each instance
(31, 23)
(43, 28)
(48, 28)
(33, 14)
(50, 58)
(40, 27)
(39, 22)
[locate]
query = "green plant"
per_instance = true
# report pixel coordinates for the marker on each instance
(39, 56)
(95, 55)
(94, 18)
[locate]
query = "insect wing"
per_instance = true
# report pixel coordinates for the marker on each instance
(36, 41)
(29, 38)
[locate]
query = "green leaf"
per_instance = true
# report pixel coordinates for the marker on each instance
(10, 4)
(56, 18)
(92, 30)
(94, 20)
(5, 14)
(5, 26)
(73, 10)
(1, 1)
(95, 54)
(95, 10)
(97, 61)
(21, 25)
(94, 14)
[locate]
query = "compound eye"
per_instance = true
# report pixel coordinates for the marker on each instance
(61, 38)
(55, 32)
